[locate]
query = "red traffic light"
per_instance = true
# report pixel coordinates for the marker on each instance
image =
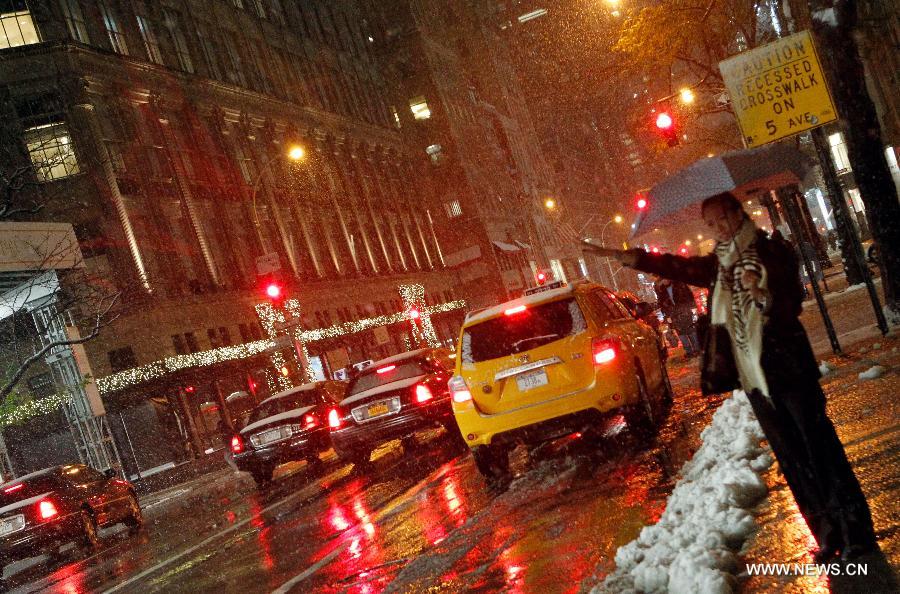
(273, 291)
(641, 203)
(664, 121)
(683, 251)
(541, 278)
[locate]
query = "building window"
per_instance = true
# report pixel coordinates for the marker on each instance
(453, 209)
(151, 44)
(122, 359)
(75, 20)
(180, 346)
(116, 38)
(419, 108)
(192, 344)
(173, 24)
(235, 69)
(396, 117)
(16, 26)
(238, 4)
(839, 152)
(224, 336)
(209, 53)
(51, 151)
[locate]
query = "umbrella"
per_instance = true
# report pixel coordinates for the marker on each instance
(745, 173)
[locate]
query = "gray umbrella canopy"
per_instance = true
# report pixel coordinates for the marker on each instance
(746, 173)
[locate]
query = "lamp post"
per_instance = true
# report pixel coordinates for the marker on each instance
(617, 220)
(295, 153)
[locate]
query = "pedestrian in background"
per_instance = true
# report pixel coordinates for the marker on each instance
(676, 300)
(756, 342)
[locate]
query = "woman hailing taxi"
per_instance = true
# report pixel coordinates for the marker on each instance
(756, 341)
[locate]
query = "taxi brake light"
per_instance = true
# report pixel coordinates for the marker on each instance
(514, 310)
(13, 488)
(603, 351)
(237, 444)
(459, 390)
(386, 369)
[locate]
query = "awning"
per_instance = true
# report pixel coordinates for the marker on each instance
(506, 247)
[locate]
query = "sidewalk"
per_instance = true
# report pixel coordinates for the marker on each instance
(865, 413)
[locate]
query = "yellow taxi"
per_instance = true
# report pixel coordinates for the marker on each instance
(551, 363)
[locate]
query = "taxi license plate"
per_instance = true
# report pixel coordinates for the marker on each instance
(378, 409)
(13, 524)
(531, 379)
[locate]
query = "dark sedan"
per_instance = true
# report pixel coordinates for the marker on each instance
(288, 426)
(41, 511)
(393, 398)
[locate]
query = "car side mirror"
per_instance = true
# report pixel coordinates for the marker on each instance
(109, 473)
(643, 309)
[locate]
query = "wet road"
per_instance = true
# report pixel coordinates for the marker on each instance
(413, 522)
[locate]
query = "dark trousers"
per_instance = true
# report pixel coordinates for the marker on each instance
(813, 462)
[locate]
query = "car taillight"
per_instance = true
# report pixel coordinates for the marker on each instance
(310, 421)
(237, 444)
(423, 394)
(47, 509)
(334, 419)
(459, 390)
(603, 350)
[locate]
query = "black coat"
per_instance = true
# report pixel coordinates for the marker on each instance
(787, 357)
(682, 298)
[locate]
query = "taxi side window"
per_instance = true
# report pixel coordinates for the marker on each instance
(611, 309)
(618, 306)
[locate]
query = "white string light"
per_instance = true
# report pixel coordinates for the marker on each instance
(268, 315)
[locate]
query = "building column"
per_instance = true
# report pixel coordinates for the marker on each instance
(187, 195)
(87, 115)
(437, 244)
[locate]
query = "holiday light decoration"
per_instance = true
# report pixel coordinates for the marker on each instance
(269, 317)
(34, 408)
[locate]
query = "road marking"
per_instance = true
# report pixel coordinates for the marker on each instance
(285, 587)
(188, 551)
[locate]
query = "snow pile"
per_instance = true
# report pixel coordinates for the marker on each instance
(707, 515)
(825, 367)
(871, 373)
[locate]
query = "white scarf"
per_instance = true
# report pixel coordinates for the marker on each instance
(734, 308)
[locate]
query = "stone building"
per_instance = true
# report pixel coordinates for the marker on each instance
(194, 145)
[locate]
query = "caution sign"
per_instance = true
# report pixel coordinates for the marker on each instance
(778, 90)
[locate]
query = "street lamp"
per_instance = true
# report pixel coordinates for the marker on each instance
(550, 204)
(687, 96)
(617, 220)
(294, 153)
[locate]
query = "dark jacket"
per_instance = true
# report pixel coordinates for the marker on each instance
(787, 357)
(682, 298)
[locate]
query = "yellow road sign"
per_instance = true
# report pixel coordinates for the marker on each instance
(778, 90)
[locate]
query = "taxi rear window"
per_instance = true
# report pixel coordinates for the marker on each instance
(509, 334)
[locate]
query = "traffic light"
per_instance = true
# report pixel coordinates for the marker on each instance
(683, 251)
(273, 289)
(414, 314)
(640, 202)
(541, 277)
(665, 124)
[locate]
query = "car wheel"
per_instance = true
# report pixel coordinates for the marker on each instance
(641, 417)
(493, 463)
(262, 476)
(88, 539)
(135, 518)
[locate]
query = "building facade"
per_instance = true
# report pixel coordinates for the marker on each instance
(194, 145)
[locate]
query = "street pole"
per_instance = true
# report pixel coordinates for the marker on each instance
(612, 275)
(786, 197)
